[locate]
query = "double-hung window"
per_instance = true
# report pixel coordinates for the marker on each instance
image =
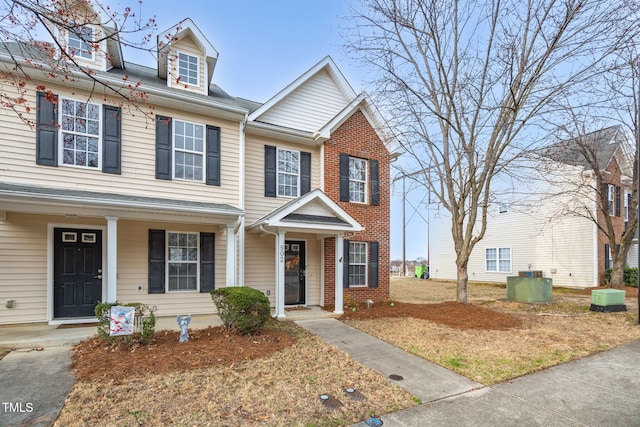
(288, 172)
(498, 260)
(80, 43)
(182, 261)
(357, 180)
(188, 151)
(358, 264)
(80, 133)
(610, 192)
(188, 69)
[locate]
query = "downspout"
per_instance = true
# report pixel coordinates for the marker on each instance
(241, 192)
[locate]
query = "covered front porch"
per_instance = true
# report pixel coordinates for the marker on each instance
(88, 246)
(311, 216)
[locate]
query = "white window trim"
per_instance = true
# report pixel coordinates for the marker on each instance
(61, 139)
(91, 50)
(173, 151)
(497, 259)
(366, 264)
(626, 206)
(278, 150)
(610, 197)
(366, 181)
(181, 82)
(167, 261)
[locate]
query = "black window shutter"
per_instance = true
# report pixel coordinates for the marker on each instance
(305, 173)
(156, 261)
(373, 264)
(344, 177)
(163, 147)
(269, 171)
(345, 264)
(618, 200)
(374, 182)
(606, 257)
(46, 130)
(111, 140)
(213, 155)
(207, 262)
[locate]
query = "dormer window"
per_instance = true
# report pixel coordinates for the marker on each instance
(80, 43)
(188, 69)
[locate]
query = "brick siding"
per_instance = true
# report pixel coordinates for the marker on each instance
(356, 137)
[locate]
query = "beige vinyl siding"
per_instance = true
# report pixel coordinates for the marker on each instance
(133, 267)
(188, 46)
(539, 234)
(23, 264)
(260, 264)
(18, 159)
(310, 106)
(256, 204)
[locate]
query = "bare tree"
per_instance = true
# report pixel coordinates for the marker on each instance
(608, 155)
(466, 83)
(34, 50)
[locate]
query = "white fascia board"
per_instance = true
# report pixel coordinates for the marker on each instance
(274, 219)
(326, 63)
(160, 96)
(17, 198)
(282, 133)
(371, 113)
(184, 28)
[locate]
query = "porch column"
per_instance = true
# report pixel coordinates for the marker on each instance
(280, 314)
(339, 274)
(112, 258)
(231, 255)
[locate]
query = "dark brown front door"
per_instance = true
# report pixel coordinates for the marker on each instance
(77, 271)
(294, 272)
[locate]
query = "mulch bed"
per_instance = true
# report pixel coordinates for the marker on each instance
(96, 360)
(457, 315)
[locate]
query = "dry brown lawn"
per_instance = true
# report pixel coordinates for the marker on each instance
(549, 334)
(274, 379)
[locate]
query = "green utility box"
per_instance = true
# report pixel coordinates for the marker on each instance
(608, 300)
(529, 289)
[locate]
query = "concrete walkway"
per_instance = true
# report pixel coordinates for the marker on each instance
(35, 384)
(600, 390)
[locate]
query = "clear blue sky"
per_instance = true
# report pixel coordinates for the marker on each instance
(264, 46)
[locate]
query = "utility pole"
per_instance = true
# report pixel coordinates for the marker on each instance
(404, 228)
(637, 158)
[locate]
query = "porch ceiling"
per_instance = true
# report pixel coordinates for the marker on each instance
(59, 201)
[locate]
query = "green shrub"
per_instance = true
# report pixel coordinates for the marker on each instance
(143, 313)
(242, 310)
(630, 276)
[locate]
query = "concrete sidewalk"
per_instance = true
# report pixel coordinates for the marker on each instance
(600, 390)
(35, 384)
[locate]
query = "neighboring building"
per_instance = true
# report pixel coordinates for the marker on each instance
(546, 227)
(100, 201)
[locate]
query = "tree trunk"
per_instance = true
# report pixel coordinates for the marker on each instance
(617, 272)
(463, 278)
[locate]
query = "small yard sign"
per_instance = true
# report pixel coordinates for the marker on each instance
(121, 320)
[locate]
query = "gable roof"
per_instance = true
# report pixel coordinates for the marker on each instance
(605, 144)
(183, 29)
(327, 66)
(313, 212)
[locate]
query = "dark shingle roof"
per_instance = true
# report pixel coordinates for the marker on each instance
(602, 143)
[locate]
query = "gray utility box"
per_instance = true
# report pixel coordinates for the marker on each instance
(529, 289)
